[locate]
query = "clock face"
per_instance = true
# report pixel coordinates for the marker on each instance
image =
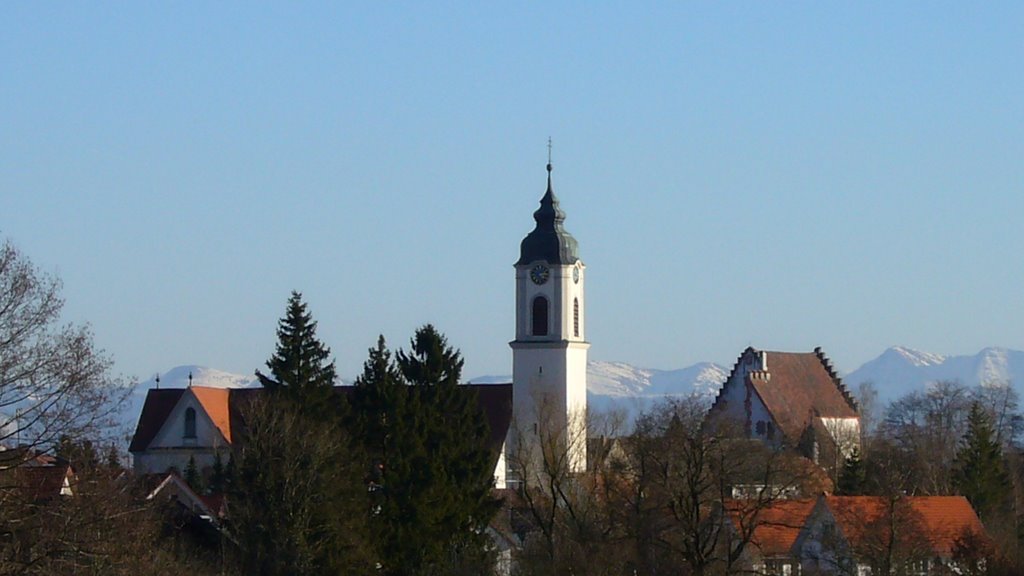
(539, 274)
(576, 275)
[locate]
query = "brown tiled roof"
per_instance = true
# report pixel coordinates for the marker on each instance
(798, 388)
(155, 411)
(42, 482)
(935, 521)
(776, 526)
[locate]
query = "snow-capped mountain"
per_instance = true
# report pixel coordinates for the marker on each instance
(618, 386)
(618, 379)
(624, 388)
(899, 370)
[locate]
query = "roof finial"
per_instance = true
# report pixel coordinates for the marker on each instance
(549, 155)
(157, 380)
(189, 378)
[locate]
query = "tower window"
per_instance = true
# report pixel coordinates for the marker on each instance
(190, 423)
(540, 316)
(576, 317)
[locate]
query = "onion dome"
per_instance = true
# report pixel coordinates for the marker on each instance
(549, 241)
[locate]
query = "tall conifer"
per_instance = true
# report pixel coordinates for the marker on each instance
(434, 471)
(851, 480)
(300, 368)
(980, 473)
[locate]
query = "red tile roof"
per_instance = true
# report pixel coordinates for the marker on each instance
(43, 482)
(935, 521)
(798, 388)
(776, 526)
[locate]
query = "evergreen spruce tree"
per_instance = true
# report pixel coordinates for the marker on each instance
(300, 368)
(217, 474)
(851, 480)
(385, 419)
(433, 472)
(980, 473)
(295, 482)
(459, 466)
(192, 476)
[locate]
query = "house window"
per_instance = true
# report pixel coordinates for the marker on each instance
(190, 423)
(540, 316)
(760, 427)
(918, 567)
(779, 568)
(576, 317)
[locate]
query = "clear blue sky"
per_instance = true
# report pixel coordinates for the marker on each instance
(782, 175)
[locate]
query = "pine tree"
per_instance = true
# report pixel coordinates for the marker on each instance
(980, 473)
(851, 481)
(192, 476)
(298, 499)
(299, 368)
(217, 474)
(433, 471)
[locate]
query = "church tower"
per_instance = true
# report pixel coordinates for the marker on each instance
(549, 354)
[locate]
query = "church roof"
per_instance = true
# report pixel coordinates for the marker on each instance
(216, 402)
(795, 387)
(222, 407)
(549, 241)
(158, 406)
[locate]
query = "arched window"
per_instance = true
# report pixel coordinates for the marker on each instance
(576, 317)
(540, 316)
(190, 423)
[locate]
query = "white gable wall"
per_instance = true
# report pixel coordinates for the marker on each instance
(743, 406)
(170, 448)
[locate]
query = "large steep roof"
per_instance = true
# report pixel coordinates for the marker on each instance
(795, 387)
(776, 526)
(158, 406)
(222, 406)
(937, 522)
(799, 388)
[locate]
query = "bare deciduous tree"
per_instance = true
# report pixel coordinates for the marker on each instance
(53, 380)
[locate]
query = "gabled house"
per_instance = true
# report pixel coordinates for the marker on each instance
(790, 399)
(773, 530)
(918, 535)
(179, 424)
(34, 477)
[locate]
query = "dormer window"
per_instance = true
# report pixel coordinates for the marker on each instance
(190, 423)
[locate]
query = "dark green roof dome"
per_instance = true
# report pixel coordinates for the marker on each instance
(549, 240)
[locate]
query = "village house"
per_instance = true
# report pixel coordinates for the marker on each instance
(862, 535)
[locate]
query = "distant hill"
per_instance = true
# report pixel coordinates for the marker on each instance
(900, 370)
